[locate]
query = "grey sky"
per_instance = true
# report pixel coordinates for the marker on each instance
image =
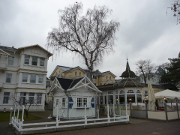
(146, 31)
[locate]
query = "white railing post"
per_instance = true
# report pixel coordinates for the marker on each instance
(18, 114)
(22, 114)
(108, 113)
(98, 112)
(57, 114)
(14, 110)
(85, 116)
(114, 111)
(126, 110)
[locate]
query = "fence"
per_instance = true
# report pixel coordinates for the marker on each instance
(167, 112)
(24, 128)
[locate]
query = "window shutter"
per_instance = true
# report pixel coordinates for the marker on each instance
(92, 102)
(70, 102)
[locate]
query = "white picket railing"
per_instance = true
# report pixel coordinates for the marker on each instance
(25, 127)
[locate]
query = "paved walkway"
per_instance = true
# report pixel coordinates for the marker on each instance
(136, 127)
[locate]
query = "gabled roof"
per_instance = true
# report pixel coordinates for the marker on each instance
(71, 69)
(49, 54)
(68, 83)
(104, 73)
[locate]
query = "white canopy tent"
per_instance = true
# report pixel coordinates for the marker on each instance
(170, 94)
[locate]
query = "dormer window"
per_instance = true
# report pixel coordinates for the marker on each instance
(42, 60)
(34, 60)
(10, 60)
(26, 59)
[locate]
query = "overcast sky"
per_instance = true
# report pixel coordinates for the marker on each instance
(146, 31)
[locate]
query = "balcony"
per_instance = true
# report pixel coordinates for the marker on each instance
(3, 66)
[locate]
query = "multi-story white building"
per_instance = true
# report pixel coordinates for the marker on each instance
(23, 76)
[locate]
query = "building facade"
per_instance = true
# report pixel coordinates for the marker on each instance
(98, 78)
(23, 76)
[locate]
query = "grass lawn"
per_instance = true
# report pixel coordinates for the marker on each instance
(5, 116)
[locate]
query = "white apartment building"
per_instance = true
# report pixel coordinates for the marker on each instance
(23, 76)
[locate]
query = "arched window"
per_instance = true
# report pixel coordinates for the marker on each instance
(130, 91)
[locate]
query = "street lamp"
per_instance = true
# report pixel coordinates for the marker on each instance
(146, 102)
(130, 100)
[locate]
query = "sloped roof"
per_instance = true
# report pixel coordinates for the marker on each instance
(129, 83)
(49, 54)
(128, 73)
(68, 83)
(104, 73)
(8, 49)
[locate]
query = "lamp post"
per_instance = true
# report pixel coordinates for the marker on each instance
(130, 101)
(146, 102)
(10, 120)
(176, 99)
(165, 107)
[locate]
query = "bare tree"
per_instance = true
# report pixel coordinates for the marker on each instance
(90, 36)
(146, 68)
(27, 103)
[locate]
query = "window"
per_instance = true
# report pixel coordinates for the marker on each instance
(42, 60)
(106, 77)
(39, 98)
(26, 59)
(41, 78)
(34, 60)
(110, 78)
(8, 77)
(22, 98)
(57, 102)
(25, 77)
(63, 102)
(10, 60)
(75, 73)
(81, 102)
(6, 97)
(31, 98)
(79, 73)
(33, 78)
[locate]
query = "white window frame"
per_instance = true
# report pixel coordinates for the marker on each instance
(22, 99)
(42, 62)
(26, 59)
(40, 78)
(31, 98)
(6, 97)
(10, 60)
(34, 60)
(81, 102)
(24, 77)
(63, 102)
(32, 78)
(39, 98)
(8, 77)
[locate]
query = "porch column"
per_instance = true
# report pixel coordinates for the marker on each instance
(125, 98)
(136, 98)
